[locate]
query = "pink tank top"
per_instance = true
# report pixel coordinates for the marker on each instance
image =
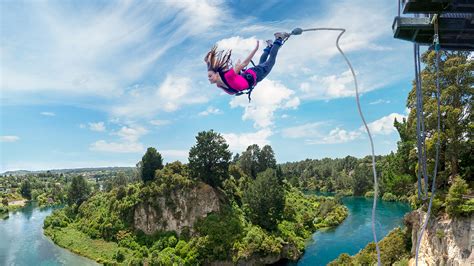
(237, 82)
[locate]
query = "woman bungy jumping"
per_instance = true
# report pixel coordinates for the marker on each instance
(233, 80)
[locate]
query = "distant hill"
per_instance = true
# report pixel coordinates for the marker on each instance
(64, 171)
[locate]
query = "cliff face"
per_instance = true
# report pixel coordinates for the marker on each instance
(445, 241)
(177, 211)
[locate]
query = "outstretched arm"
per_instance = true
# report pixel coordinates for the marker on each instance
(239, 66)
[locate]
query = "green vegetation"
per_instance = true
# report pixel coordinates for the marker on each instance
(209, 158)
(78, 191)
(261, 216)
(264, 200)
(80, 243)
(397, 172)
(394, 250)
(455, 204)
(150, 162)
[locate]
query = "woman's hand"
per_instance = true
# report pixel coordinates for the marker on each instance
(239, 66)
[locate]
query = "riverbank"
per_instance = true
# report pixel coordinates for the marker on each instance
(11, 207)
(79, 243)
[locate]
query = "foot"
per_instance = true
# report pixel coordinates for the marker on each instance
(269, 43)
(281, 35)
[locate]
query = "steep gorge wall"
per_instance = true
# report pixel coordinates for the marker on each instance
(180, 210)
(445, 241)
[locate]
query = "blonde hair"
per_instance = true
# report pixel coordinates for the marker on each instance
(218, 60)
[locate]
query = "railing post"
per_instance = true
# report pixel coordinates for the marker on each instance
(398, 7)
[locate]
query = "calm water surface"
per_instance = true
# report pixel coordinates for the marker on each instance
(22, 241)
(355, 232)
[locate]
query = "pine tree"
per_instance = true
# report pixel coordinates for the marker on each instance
(151, 162)
(209, 159)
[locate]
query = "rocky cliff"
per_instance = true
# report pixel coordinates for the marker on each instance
(176, 211)
(445, 241)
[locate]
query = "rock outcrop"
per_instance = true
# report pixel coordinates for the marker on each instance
(177, 211)
(445, 241)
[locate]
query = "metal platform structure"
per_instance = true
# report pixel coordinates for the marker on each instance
(455, 20)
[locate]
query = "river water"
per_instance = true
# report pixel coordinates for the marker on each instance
(355, 232)
(22, 241)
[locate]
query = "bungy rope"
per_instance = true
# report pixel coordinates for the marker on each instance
(435, 170)
(299, 31)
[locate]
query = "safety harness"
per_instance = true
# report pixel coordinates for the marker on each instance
(248, 77)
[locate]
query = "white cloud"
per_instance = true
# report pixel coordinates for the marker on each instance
(240, 142)
(131, 134)
(384, 125)
(316, 133)
(210, 111)
(267, 97)
(380, 101)
(129, 142)
(159, 122)
(48, 113)
(337, 135)
(92, 50)
(176, 154)
(328, 87)
(304, 131)
(99, 126)
(117, 147)
(241, 47)
(173, 93)
(9, 138)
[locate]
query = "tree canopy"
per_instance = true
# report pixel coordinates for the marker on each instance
(209, 159)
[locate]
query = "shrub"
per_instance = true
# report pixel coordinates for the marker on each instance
(454, 200)
(369, 194)
(389, 197)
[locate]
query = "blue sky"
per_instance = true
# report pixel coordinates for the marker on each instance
(94, 83)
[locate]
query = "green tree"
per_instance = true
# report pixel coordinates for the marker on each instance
(265, 199)
(209, 159)
(456, 78)
(266, 158)
(362, 179)
(78, 191)
(25, 189)
(249, 161)
(454, 200)
(235, 159)
(151, 162)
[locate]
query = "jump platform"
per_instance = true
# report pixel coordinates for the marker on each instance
(455, 23)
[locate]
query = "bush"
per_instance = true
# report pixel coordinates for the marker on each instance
(120, 255)
(257, 240)
(343, 259)
(455, 204)
(389, 197)
(221, 231)
(369, 194)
